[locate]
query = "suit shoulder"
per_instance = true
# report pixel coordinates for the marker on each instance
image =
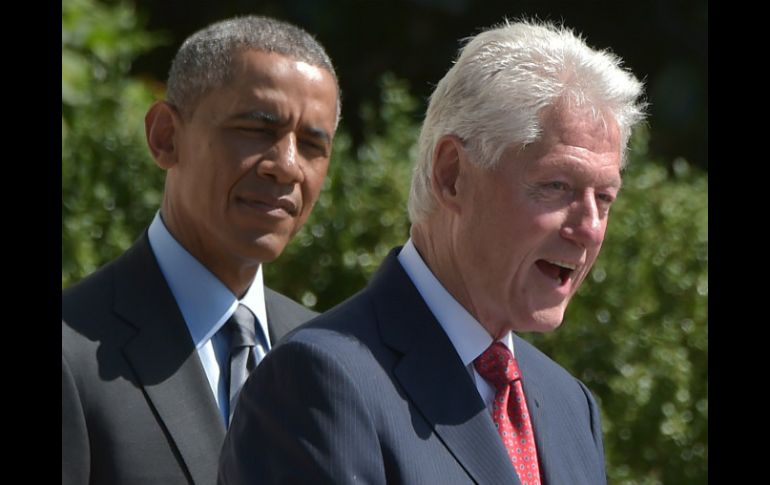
(84, 302)
(99, 287)
(318, 347)
(525, 350)
(290, 307)
(94, 286)
(351, 312)
(349, 328)
(540, 363)
(88, 315)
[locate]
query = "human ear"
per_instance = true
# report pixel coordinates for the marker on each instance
(447, 160)
(160, 126)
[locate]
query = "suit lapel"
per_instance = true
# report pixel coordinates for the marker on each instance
(434, 378)
(551, 467)
(166, 363)
(283, 315)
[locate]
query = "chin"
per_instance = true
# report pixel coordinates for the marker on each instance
(266, 249)
(539, 327)
(543, 321)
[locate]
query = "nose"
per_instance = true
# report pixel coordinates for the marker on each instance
(585, 223)
(281, 161)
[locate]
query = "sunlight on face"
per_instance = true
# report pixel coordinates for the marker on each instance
(531, 229)
(252, 160)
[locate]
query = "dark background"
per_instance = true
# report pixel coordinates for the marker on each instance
(663, 42)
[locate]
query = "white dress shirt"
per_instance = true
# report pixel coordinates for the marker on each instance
(206, 304)
(467, 335)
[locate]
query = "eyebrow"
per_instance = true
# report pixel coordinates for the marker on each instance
(273, 119)
(319, 134)
(264, 116)
(615, 183)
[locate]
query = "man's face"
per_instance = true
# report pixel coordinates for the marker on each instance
(530, 230)
(251, 161)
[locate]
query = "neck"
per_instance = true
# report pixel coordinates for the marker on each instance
(236, 275)
(433, 240)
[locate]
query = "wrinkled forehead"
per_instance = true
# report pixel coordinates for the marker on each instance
(581, 126)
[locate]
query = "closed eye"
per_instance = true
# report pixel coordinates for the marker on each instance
(315, 147)
(256, 130)
(606, 198)
(557, 186)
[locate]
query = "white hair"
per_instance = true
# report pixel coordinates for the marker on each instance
(503, 78)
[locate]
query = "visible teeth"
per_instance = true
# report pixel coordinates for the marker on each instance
(562, 264)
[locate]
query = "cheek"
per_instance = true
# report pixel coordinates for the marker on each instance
(313, 183)
(534, 230)
(316, 170)
(593, 253)
(544, 224)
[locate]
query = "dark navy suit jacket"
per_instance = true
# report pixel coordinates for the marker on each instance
(374, 392)
(136, 405)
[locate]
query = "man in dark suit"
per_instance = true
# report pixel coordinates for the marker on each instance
(156, 344)
(419, 378)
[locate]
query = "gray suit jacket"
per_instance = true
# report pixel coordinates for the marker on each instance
(373, 392)
(136, 405)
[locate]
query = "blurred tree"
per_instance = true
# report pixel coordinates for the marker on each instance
(110, 186)
(636, 333)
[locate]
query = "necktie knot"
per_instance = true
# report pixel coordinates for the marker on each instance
(497, 366)
(241, 328)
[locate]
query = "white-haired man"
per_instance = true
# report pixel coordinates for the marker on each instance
(420, 378)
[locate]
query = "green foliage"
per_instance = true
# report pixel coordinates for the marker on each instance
(110, 187)
(636, 333)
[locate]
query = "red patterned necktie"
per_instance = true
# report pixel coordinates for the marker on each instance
(498, 367)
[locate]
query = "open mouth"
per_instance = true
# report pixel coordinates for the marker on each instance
(557, 270)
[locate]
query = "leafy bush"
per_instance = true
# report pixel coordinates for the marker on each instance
(110, 186)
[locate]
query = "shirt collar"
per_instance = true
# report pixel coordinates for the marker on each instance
(467, 335)
(205, 302)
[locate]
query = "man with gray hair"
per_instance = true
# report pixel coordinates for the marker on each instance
(420, 378)
(156, 344)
